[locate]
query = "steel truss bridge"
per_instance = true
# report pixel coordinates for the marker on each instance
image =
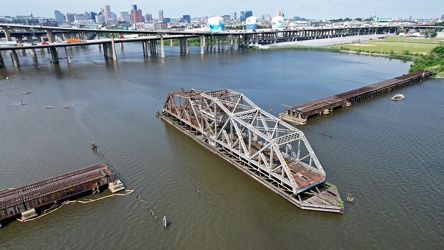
(229, 122)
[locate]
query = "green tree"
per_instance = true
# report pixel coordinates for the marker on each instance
(433, 33)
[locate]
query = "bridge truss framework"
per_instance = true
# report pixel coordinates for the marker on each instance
(230, 121)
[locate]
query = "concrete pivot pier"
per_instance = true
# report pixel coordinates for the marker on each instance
(39, 195)
(298, 115)
(262, 146)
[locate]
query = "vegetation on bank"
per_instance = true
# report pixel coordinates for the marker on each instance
(393, 45)
(433, 61)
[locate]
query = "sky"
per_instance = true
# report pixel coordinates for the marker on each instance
(311, 9)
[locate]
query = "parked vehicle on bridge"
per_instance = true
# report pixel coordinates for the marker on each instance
(74, 40)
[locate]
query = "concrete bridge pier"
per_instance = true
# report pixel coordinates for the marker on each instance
(68, 57)
(113, 48)
(144, 48)
(50, 36)
(236, 43)
(107, 51)
(162, 46)
(14, 59)
(7, 34)
(53, 55)
(23, 52)
(202, 44)
(2, 62)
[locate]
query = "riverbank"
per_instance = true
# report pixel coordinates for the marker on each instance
(390, 46)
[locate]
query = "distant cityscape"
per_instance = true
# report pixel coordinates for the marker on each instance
(135, 19)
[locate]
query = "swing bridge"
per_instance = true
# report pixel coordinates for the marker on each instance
(266, 148)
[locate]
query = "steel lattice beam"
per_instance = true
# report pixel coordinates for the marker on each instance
(229, 120)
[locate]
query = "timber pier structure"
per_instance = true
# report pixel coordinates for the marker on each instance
(28, 200)
(262, 146)
(299, 114)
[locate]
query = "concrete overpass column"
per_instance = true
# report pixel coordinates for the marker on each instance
(202, 44)
(162, 47)
(144, 48)
(156, 49)
(187, 46)
(50, 36)
(256, 42)
(2, 62)
(113, 48)
(7, 34)
(236, 43)
(68, 58)
(180, 46)
(171, 43)
(53, 55)
(14, 58)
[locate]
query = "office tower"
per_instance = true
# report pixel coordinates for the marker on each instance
(160, 12)
(125, 16)
(136, 16)
(248, 13)
(242, 16)
(59, 16)
(148, 17)
(70, 17)
(106, 12)
(186, 18)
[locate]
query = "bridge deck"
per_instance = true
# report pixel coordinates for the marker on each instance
(12, 197)
(306, 110)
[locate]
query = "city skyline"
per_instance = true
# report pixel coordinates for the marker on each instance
(321, 9)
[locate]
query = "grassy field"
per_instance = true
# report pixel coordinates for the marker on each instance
(393, 45)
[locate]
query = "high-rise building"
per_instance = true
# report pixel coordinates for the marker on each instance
(186, 18)
(136, 16)
(59, 16)
(160, 13)
(242, 16)
(93, 15)
(134, 7)
(148, 17)
(248, 13)
(70, 17)
(235, 16)
(100, 19)
(125, 16)
(106, 13)
(280, 13)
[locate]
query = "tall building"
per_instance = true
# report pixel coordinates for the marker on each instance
(70, 17)
(148, 17)
(235, 16)
(125, 16)
(106, 11)
(93, 15)
(242, 16)
(100, 19)
(59, 16)
(248, 13)
(136, 16)
(186, 18)
(160, 13)
(280, 13)
(134, 7)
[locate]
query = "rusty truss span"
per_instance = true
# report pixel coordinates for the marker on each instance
(27, 199)
(271, 151)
